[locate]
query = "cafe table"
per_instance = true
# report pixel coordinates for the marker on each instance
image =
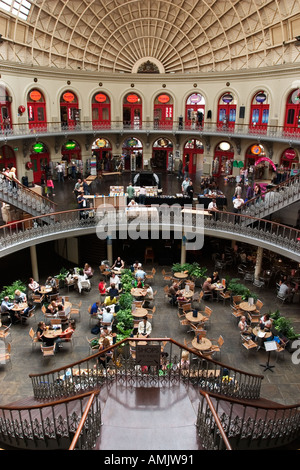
(181, 275)
(246, 307)
(218, 287)
(187, 294)
(19, 307)
(204, 344)
(45, 290)
(138, 292)
(198, 319)
(139, 312)
(52, 333)
(261, 333)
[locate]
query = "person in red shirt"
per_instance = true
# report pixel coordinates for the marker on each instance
(65, 335)
(102, 290)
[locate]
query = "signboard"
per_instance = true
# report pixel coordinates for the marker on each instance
(163, 98)
(290, 154)
(70, 145)
(100, 98)
(38, 147)
(35, 95)
(148, 355)
(69, 97)
(132, 98)
(255, 149)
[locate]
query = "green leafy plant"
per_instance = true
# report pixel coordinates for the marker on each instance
(127, 279)
(284, 326)
(237, 288)
(62, 274)
(193, 269)
(125, 301)
(10, 290)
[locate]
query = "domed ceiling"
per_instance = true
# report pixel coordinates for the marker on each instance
(170, 36)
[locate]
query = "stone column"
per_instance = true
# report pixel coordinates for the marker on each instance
(183, 250)
(259, 256)
(34, 265)
(109, 249)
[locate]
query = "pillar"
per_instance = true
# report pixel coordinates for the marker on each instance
(34, 265)
(109, 249)
(259, 257)
(183, 250)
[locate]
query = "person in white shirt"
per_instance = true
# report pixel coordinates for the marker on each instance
(114, 279)
(237, 204)
(60, 172)
(144, 327)
(185, 185)
(212, 207)
(33, 285)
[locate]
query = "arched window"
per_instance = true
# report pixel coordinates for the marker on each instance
(36, 108)
(101, 110)
(289, 159)
(69, 112)
(71, 151)
(132, 111)
(5, 109)
(226, 111)
(162, 152)
(132, 152)
(259, 114)
(163, 111)
(193, 154)
(292, 113)
(194, 111)
(102, 149)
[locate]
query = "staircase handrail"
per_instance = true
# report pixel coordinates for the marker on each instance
(28, 190)
(205, 372)
(287, 183)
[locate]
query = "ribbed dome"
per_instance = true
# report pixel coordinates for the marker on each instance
(177, 36)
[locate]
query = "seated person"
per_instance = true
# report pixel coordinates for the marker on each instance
(20, 296)
(149, 295)
(174, 293)
(88, 270)
(113, 291)
(140, 274)
(144, 327)
(104, 358)
(285, 291)
(266, 322)
(26, 310)
(136, 265)
(95, 308)
(33, 286)
(245, 329)
(138, 283)
(114, 279)
(107, 315)
(132, 203)
(52, 308)
(41, 328)
(208, 287)
(51, 282)
(110, 300)
(215, 277)
(7, 309)
(213, 209)
(65, 335)
(118, 264)
(102, 289)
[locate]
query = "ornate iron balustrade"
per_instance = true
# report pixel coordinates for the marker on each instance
(52, 425)
(272, 133)
(223, 420)
(274, 199)
(260, 232)
(88, 374)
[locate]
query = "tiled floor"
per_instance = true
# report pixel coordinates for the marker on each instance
(281, 385)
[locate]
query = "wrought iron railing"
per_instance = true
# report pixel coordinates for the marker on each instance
(269, 132)
(223, 421)
(274, 199)
(87, 374)
(52, 425)
(252, 230)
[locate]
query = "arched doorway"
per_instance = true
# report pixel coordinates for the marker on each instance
(71, 155)
(162, 150)
(5, 109)
(163, 111)
(289, 159)
(226, 111)
(223, 159)
(40, 159)
(193, 153)
(258, 164)
(194, 111)
(7, 157)
(69, 111)
(36, 108)
(292, 113)
(102, 149)
(259, 114)
(132, 154)
(132, 111)
(101, 111)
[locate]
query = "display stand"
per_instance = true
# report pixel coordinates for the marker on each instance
(269, 346)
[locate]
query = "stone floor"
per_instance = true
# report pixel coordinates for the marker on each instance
(281, 385)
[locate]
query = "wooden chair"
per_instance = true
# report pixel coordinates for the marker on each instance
(151, 274)
(224, 296)
(38, 299)
(254, 319)
(48, 351)
(236, 299)
(248, 343)
(149, 254)
(237, 313)
(25, 319)
(75, 312)
(68, 341)
(167, 276)
(93, 347)
(93, 316)
(207, 294)
(5, 356)
(55, 321)
(104, 271)
(217, 345)
(258, 305)
(34, 339)
(207, 314)
(5, 332)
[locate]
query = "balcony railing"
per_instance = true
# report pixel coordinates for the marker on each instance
(260, 232)
(281, 133)
(87, 374)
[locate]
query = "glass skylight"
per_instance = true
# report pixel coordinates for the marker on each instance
(18, 8)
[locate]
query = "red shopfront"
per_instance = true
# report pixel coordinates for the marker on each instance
(5, 110)
(193, 154)
(7, 157)
(226, 112)
(292, 113)
(289, 159)
(132, 111)
(36, 108)
(40, 159)
(101, 116)
(161, 152)
(69, 110)
(223, 159)
(194, 111)
(163, 112)
(259, 114)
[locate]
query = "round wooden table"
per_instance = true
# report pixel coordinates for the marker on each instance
(138, 292)
(261, 333)
(247, 307)
(139, 312)
(45, 290)
(187, 294)
(204, 344)
(190, 317)
(218, 287)
(181, 275)
(20, 307)
(52, 334)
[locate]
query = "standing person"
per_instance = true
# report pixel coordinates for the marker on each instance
(130, 191)
(212, 207)
(190, 190)
(237, 205)
(86, 188)
(186, 169)
(249, 193)
(180, 166)
(50, 186)
(73, 170)
(238, 190)
(142, 195)
(185, 185)
(77, 188)
(60, 172)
